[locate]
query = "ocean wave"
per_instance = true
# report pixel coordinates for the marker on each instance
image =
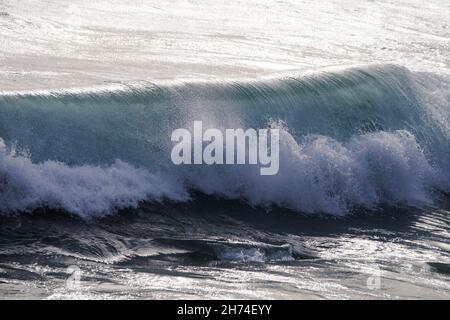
(357, 137)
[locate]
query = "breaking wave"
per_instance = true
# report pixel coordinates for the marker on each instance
(350, 138)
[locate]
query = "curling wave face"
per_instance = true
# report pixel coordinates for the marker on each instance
(350, 138)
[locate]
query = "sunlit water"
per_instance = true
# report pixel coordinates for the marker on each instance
(210, 247)
(241, 255)
(76, 43)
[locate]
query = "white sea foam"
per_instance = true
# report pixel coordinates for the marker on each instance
(323, 175)
(83, 190)
(317, 175)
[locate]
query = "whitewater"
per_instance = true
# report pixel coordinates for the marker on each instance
(91, 91)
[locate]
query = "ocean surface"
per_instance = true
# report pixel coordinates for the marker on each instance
(91, 206)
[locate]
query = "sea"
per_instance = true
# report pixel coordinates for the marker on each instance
(92, 207)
